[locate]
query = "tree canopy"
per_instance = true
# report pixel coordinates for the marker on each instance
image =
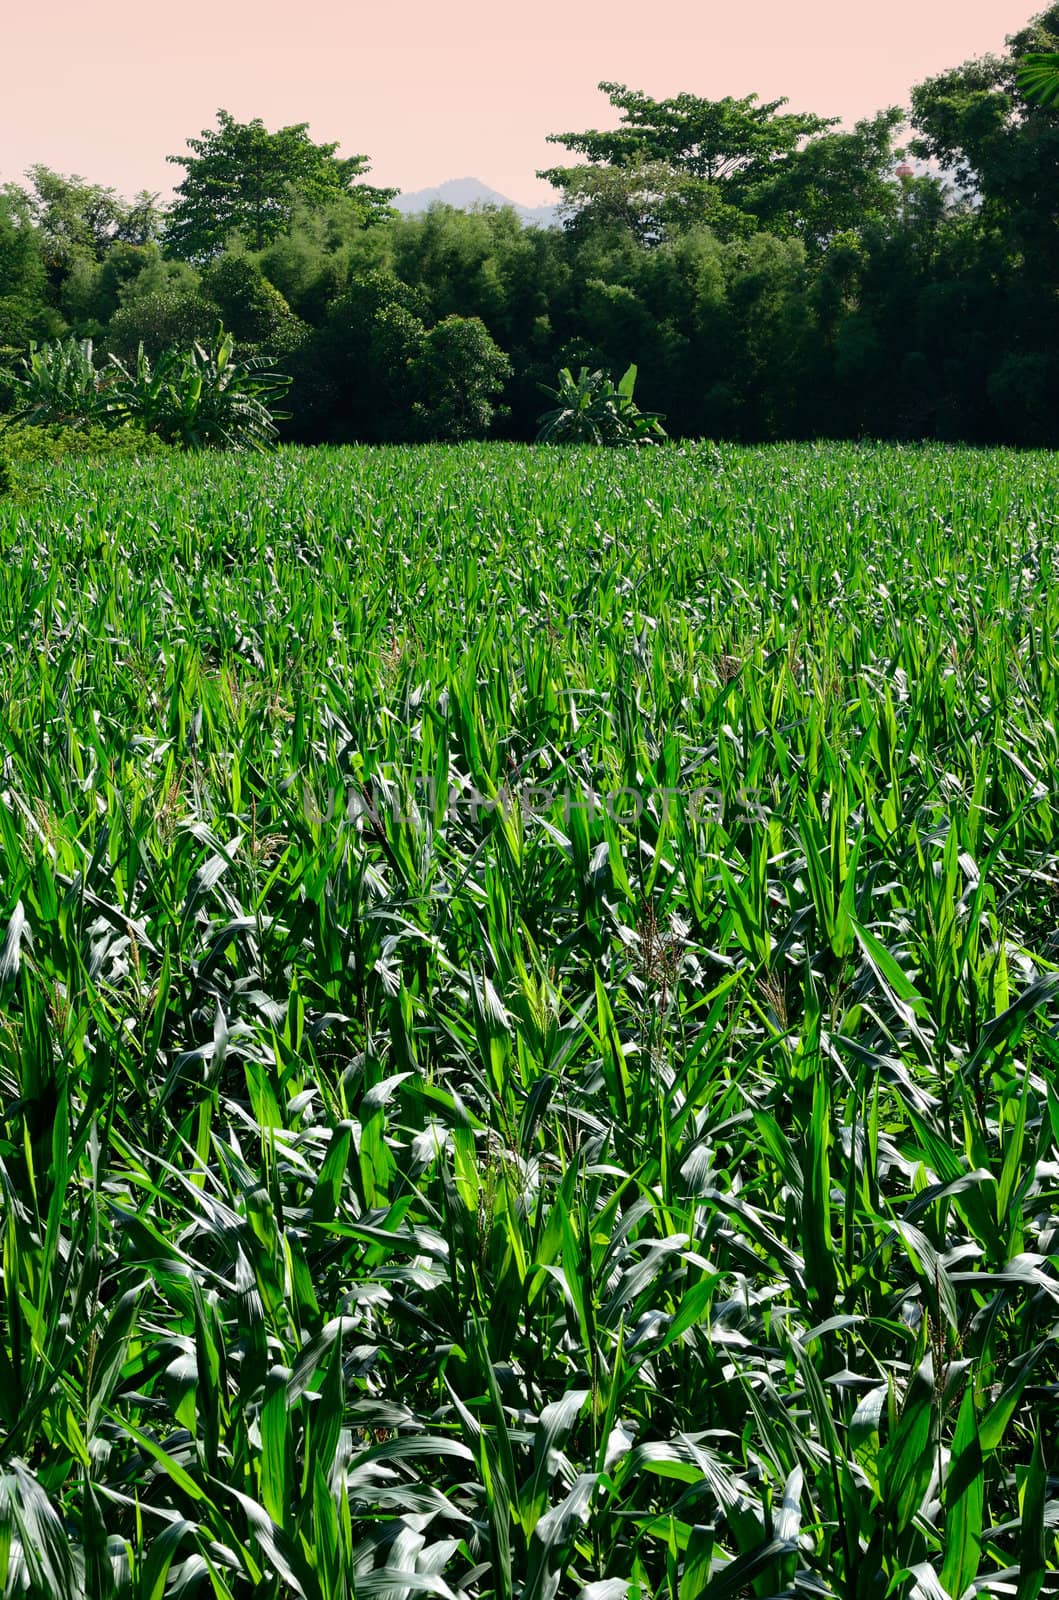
(684, 158)
(241, 179)
(81, 220)
(977, 121)
(711, 139)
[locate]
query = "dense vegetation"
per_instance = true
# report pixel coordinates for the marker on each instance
(418, 1178)
(770, 275)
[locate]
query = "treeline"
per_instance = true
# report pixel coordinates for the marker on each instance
(771, 275)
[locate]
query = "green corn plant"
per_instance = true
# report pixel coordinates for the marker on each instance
(527, 1037)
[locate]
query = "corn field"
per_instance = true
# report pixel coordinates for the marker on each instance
(529, 985)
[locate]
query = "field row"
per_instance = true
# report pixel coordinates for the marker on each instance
(527, 1025)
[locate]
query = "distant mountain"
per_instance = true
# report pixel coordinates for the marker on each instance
(466, 193)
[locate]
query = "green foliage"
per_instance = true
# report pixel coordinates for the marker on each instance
(9, 355)
(251, 307)
(1025, 386)
(45, 444)
(313, 261)
(709, 139)
(389, 374)
(592, 409)
(685, 159)
(352, 381)
(775, 277)
(1039, 76)
(77, 220)
(200, 397)
(59, 383)
(978, 121)
(528, 987)
(837, 183)
(23, 277)
(159, 320)
(456, 373)
(242, 180)
(646, 199)
(197, 397)
(92, 291)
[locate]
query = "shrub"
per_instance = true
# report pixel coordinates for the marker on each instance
(202, 396)
(159, 321)
(37, 445)
(593, 409)
(58, 382)
(251, 307)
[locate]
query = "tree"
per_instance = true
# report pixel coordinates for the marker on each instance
(650, 200)
(243, 180)
(93, 291)
(25, 313)
(82, 220)
(353, 380)
(835, 184)
(977, 122)
(251, 307)
(712, 139)
(456, 375)
(694, 154)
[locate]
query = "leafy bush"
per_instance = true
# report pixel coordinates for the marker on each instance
(161, 320)
(456, 374)
(24, 447)
(199, 397)
(58, 382)
(8, 356)
(251, 307)
(196, 397)
(29, 445)
(592, 409)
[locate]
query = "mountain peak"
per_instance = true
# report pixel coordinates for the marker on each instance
(467, 194)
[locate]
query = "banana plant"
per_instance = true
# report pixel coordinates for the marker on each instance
(592, 409)
(1039, 77)
(200, 397)
(59, 383)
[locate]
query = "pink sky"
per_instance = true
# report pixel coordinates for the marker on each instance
(433, 91)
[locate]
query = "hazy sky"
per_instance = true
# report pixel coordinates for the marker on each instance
(108, 88)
